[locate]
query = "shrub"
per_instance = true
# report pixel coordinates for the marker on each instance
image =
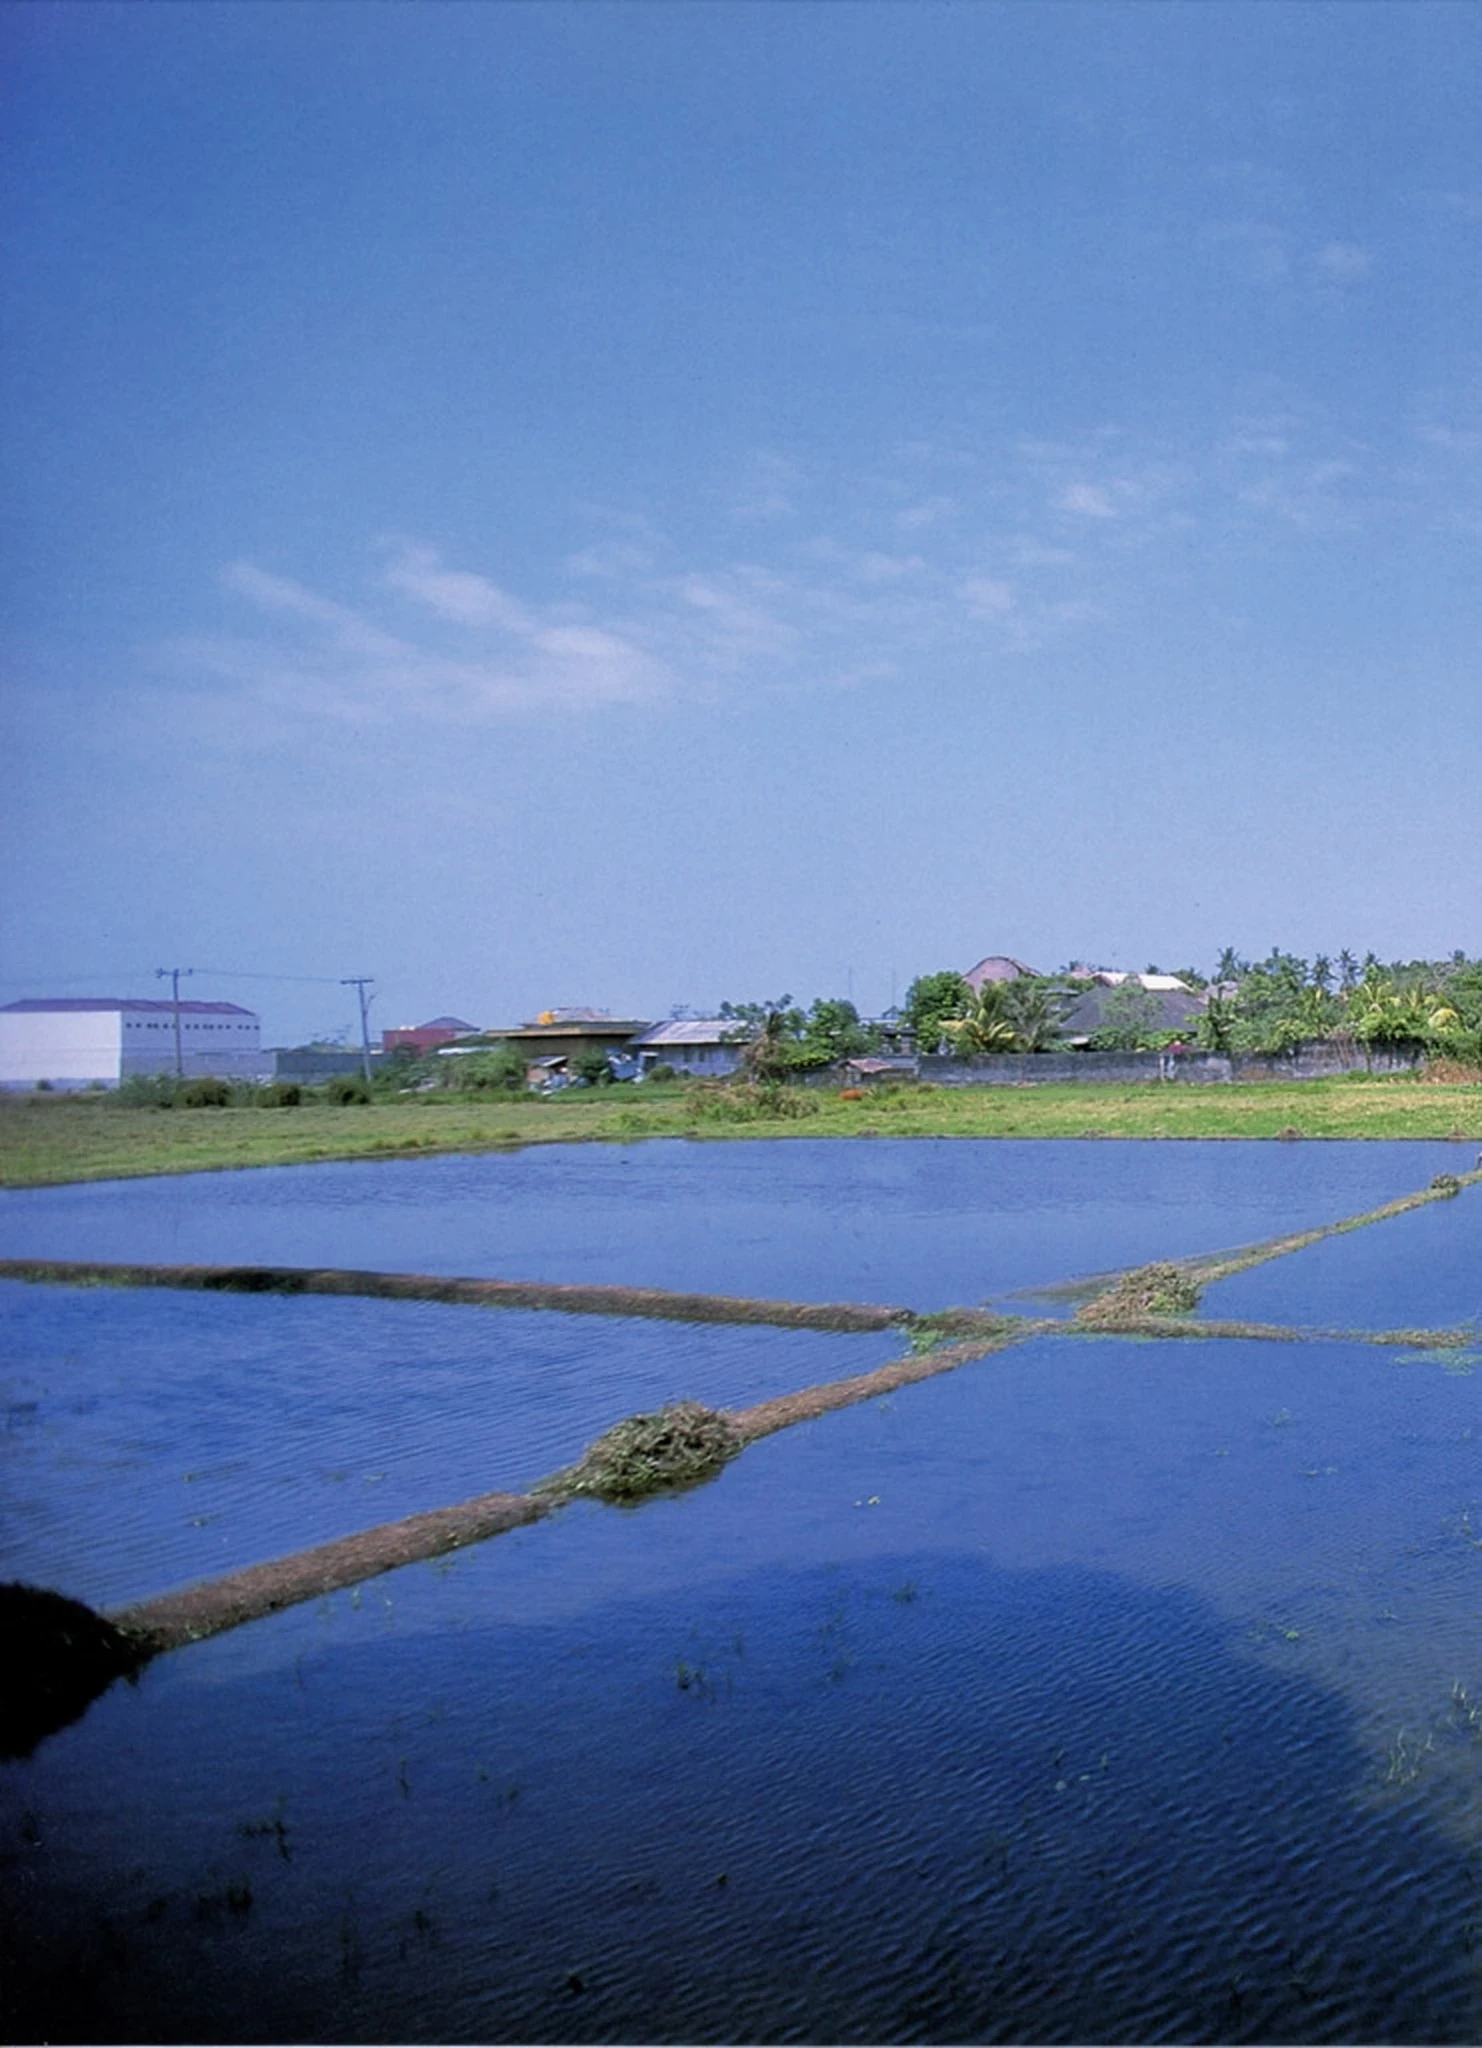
(44, 1088)
(206, 1092)
(343, 1089)
(660, 1071)
(501, 1071)
(749, 1102)
(148, 1091)
(282, 1095)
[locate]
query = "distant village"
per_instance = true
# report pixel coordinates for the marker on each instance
(952, 1026)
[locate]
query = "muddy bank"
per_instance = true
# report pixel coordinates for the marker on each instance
(217, 1604)
(656, 1303)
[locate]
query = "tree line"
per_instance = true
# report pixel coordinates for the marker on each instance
(1261, 1008)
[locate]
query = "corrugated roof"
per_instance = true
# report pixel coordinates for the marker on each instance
(692, 1031)
(595, 1027)
(77, 1004)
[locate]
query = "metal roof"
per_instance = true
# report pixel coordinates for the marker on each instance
(37, 1005)
(693, 1031)
(595, 1027)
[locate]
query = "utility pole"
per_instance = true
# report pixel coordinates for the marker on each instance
(174, 974)
(360, 983)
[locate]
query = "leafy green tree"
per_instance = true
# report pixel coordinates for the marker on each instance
(1383, 1011)
(1024, 1015)
(1131, 1020)
(931, 1002)
(834, 1032)
(769, 1035)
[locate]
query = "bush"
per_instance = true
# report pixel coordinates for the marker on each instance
(206, 1092)
(749, 1102)
(148, 1091)
(281, 1095)
(500, 1071)
(343, 1089)
(659, 1071)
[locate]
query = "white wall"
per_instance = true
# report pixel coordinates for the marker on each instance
(59, 1045)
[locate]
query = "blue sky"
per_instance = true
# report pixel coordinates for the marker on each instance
(642, 505)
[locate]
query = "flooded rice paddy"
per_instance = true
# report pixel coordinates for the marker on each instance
(1101, 1689)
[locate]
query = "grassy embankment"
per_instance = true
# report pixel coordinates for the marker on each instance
(46, 1140)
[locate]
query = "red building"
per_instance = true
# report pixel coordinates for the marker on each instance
(421, 1039)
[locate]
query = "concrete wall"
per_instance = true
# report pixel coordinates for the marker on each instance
(1017, 1070)
(296, 1063)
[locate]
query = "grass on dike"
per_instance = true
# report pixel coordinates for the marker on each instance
(46, 1140)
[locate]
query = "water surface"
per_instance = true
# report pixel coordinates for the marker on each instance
(1095, 1691)
(921, 1222)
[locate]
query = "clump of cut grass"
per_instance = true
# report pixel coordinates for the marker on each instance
(675, 1447)
(927, 1333)
(1162, 1289)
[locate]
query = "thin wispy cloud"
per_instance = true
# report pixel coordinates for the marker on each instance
(1343, 263)
(1089, 501)
(1036, 542)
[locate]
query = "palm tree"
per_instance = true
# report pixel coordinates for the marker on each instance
(985, 1025)
(1036, 1010)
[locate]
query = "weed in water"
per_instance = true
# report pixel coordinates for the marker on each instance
(274, 1828)
(1407, 1754)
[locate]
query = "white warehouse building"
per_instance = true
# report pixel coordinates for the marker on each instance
(78, 1041)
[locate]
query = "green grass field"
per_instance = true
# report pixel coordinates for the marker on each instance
(49, 1139)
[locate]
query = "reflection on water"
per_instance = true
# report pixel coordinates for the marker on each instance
(1105, 1691)
(1420, 1270)
(154, 1438)
(923, 1222)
